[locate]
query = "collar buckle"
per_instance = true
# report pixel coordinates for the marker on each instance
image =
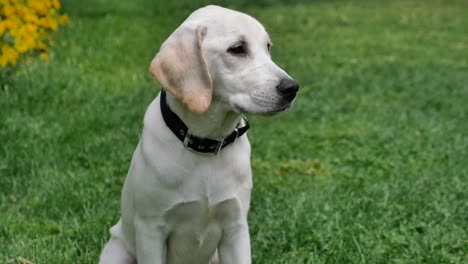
(187, 140)
(214, 148)
(218, 146)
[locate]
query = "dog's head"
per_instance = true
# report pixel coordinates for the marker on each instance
(224, 55)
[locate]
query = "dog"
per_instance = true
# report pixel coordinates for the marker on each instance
(187, 192)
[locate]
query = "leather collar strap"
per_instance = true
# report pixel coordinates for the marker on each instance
(194, 143)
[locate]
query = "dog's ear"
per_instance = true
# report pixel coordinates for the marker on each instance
(181, 69)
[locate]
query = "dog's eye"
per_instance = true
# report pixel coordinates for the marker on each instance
(237, 50)
(268, 46)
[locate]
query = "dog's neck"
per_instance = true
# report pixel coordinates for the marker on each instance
(215, 123)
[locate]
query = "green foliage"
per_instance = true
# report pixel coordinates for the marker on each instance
(369, 166)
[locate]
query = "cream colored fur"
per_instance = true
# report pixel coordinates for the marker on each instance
(180, 206)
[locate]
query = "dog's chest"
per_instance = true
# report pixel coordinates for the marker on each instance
(210, 204)
(193, 199)
(199, 214)
(196, 228)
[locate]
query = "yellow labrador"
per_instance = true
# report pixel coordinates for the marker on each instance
(187, 193)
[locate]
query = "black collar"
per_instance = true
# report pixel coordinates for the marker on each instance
(194, 143)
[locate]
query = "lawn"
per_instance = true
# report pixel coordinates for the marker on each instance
(369, 166)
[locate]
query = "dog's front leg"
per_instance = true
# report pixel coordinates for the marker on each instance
(150, 241)
(235, 245)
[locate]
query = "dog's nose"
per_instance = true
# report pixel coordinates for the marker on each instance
(288, 88)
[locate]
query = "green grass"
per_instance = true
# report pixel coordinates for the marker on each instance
(369, 166)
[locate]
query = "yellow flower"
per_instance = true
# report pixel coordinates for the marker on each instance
(21, 46)
(53, 25)
(9, 10)
(9, 24)
(30, 17)
(44, 56)
(3, 61)
(30, 28)
(39, 6)
(10, 54)
(41, 46)
(64, 19)
(25, 26)
(2, 27)
(56, 4)
(45, 22)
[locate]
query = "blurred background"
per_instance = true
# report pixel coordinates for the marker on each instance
(370, 165)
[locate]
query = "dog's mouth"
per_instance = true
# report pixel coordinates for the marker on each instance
(266, 111)
(278, 110)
